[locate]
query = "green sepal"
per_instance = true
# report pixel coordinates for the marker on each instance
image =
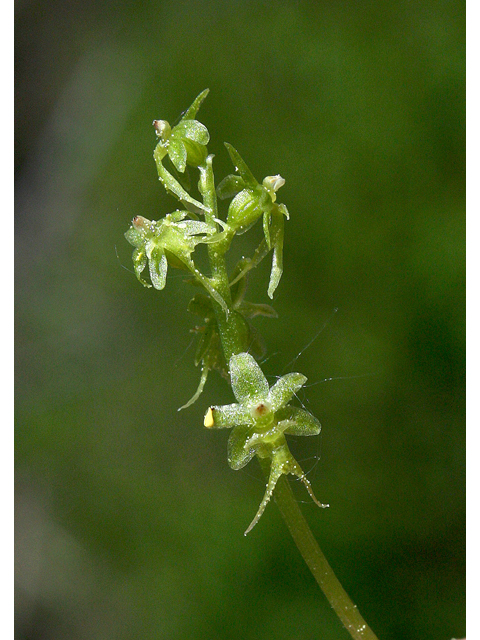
(191, 112)
(187, 143)
(241, 166)
(177, 153)
(196, 153)
(252, 309)
(193, 130)
(246, 208)
(136, 237)
(248, 381)
(284, 389)
(237, 455)
(298, 422)
(204, 343)
(157, 264)
(230, 186)
(277, 259)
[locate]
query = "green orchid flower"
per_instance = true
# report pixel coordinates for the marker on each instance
(170, 241)
(261, 418)
(184, 144)
(251, 200)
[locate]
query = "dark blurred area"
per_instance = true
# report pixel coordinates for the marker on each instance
(129, 522)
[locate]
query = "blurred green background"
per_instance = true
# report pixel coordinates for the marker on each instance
(129, 522)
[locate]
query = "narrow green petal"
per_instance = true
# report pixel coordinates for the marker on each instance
(191, 112)
(277, 260)
(247, 265)
(248, 382)
(297, 422)
(284, 389)
(227, 416)
(281, 208)
(252, 309)
(206, 284)
(241, 167)
(266, 228)
(198, 392)
(206, 336)
(238, 456)
(276, 470)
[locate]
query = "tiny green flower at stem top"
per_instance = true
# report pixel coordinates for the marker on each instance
(185, 143)
(260, 420)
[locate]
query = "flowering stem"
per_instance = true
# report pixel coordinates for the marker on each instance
(230, 326)
(262, 416)
(323, 573)
(233, 343)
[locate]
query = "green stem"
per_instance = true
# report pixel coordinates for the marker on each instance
(233, 337)
(323, 573)
(231, 325)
